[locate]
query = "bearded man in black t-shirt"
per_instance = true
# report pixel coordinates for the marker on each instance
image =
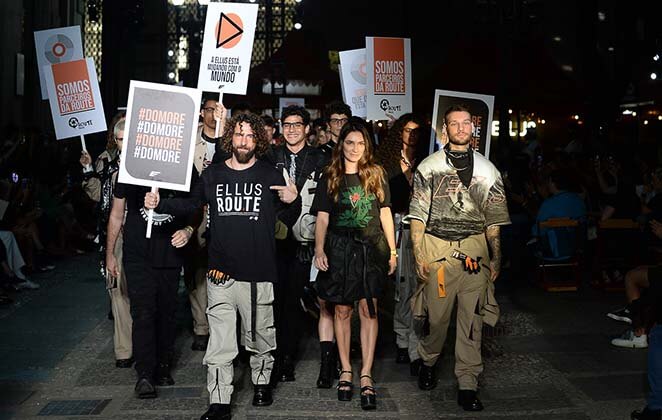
(243, 195)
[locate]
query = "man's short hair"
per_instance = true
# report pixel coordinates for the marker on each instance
(242, 107)
(320, 123)
(268, 121)
(561, 179)
(208, 96)
(288, 111)
(456, 108)
(337, 107)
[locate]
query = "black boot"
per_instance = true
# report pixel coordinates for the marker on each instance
(217, 412)
(427, 378)
(262, 396)
(200, 342)
(415, 367)
(163, 377)
(402, 356)
(287, 369)
(145, 388)
(468, 400)
(327, 365)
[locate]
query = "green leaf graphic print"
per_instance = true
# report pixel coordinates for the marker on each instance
(358, 213)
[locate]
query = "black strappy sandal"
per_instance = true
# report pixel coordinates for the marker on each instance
(368, 395)
(346, 393)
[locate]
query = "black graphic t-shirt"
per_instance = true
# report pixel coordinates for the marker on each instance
(355, 209)
(157, 250)
(242, 218)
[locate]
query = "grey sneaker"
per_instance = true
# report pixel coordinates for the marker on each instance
(631, 341)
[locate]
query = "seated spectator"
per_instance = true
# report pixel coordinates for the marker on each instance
(562, 203)
(637, 281)
(22, 217)
(11, 256)
(619, 196)
(8, 279)
(652, 321)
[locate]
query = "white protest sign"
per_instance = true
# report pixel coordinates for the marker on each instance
(159, 136)
(75, 99)
(55, 46)
(481, 108)
(285, 102)
(353, 78)
(227, 47)
(389, 77)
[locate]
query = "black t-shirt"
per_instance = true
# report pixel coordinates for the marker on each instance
(157, 250)
(242, 218)
(355, 210)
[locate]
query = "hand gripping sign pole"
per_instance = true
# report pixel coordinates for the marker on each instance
(217, 130)
(150, 216)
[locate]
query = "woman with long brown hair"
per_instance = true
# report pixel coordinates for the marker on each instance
(353, 236)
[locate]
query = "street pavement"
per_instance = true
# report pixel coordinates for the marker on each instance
(549, 358)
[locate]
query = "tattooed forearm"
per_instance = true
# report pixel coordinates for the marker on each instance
(417, 231)
(493, 235)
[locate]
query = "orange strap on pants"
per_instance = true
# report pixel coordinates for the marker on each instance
(441, 282)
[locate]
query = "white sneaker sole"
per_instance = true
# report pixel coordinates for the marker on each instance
(628, 345)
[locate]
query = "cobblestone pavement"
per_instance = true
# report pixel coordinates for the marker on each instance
(549, 358)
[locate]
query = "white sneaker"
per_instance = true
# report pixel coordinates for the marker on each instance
(27, 284)
(631, 341)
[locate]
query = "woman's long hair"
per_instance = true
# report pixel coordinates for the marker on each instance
(389, 151)
(370, 173)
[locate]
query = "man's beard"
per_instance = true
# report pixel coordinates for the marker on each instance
(459, 142)
(243, 156)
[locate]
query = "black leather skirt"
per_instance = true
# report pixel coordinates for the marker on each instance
(358, 268)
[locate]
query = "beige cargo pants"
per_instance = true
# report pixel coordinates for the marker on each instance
(469, 290)
(224, 302)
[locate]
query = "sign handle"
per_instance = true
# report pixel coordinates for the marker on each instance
(217, 130)
(150, 217)
(82, 143)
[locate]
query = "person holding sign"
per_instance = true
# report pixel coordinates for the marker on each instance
(212, 113)
(152, 268)
(353, 235)
(244, 196)
(98, 184)
(457, 208)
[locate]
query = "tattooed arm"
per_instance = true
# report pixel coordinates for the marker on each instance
(417, 232)
(493, 235)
